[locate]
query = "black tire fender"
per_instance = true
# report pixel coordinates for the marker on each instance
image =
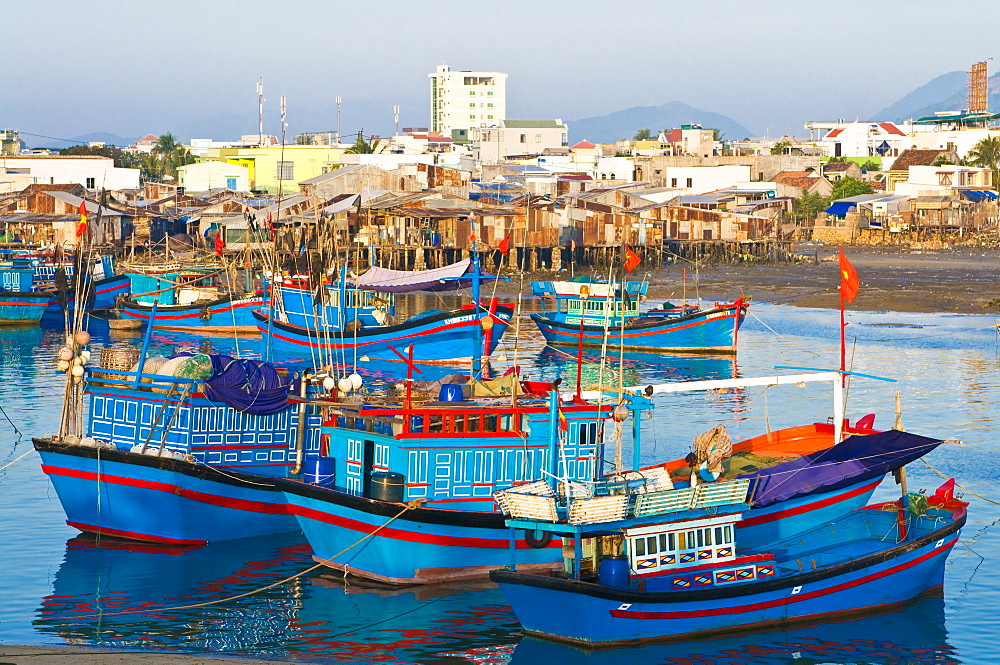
(535, 542)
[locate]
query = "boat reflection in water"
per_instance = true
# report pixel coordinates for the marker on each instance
(109, 592)
(118, 594)
(914, 634)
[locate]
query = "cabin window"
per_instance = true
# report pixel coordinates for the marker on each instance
(587, 435)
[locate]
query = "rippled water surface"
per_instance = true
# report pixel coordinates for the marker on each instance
(60, 587)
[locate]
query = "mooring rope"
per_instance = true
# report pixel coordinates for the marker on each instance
(11, 463)
(964, 489)
(411, 505)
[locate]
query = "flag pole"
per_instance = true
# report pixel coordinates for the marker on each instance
(843, 326)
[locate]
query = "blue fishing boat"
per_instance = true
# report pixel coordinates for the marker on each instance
(589, 314)
(671, 565)
(102, 286)
(183, 451)
(189, 299)
(429, 470)
(19, 304)
(356, 318)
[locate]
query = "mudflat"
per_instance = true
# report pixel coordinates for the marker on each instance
(960, 280)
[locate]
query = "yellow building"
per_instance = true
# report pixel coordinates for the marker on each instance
(279, 169)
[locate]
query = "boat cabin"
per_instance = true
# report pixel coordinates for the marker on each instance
(590, 303)
(298, 305)
(457, 454)
(646, 535)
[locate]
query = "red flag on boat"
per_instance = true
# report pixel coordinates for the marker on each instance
(632, 259)
(504, 245)
(563, 423)
(849, 282)
(220, 242)
(82, 226)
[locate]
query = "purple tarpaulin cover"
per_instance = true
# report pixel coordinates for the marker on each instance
(404, 281)
(855, 459)
(250, 386)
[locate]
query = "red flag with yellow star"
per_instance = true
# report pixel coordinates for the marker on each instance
(849, 281)
(81, 228)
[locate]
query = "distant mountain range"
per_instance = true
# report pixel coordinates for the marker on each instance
(624, 124)
(948, 92)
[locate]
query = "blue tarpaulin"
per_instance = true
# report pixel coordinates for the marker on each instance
(841, 208)
(853, 460)
(250, 386)
(973, 195)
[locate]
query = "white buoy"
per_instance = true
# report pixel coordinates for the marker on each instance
(66, 354)
(345, 385)
(77, 370)
(85, 354)
(356, 380)
(63, 365)
(329, 383)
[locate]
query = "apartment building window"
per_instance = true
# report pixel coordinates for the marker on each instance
(489, 93)
(286, 171)
(472, 117)
(472, 92)
(538, 138)
(472, 105)
(489, 105)
(673, 182)
(489, 117)
(524, 138)
(690, 182)
(90, 183)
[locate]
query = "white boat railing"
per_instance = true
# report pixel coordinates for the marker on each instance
(837, 378)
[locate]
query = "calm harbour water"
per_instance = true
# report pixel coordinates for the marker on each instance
(60, 587)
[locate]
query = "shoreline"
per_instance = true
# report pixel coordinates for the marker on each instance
(963, 280)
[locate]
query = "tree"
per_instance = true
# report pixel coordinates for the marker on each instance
(871, 165)
(151, 167)
(780, 146)
(810, 205)
(166, 144)
(169, 154)
(363, 147)
(849, 187)
(129, 159)
(986, 153)
(643, 135)
(718, 135)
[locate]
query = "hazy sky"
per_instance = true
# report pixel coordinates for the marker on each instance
(191, 66)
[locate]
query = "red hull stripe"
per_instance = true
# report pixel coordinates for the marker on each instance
(805, 508)
(410, 536)
(181, 542)
(306, 340)
(625, 614)
(213, 499)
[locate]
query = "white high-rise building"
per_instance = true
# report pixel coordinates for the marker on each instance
(463, 100)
